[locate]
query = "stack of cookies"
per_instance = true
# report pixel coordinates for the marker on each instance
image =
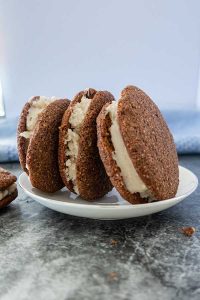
(94, 143)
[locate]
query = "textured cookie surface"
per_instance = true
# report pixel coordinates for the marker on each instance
(91, 177)
(22, 142)
(42, 154)
(149, 143)
(6, 180)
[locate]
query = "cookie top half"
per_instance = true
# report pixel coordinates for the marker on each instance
(6, 179)
(8, 187)
(137, 148)
(80, 165)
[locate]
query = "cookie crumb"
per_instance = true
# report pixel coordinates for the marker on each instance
(112, 276)
(189, 231)
(114, 242)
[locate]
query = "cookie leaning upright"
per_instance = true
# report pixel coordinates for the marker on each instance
(80, 165)
(38, 133)
(27, 122)
(137, 148)
(8, 187)
(26, 125)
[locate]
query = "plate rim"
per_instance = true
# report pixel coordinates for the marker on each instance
(111, 206)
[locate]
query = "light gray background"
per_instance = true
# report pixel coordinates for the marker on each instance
(58, 47)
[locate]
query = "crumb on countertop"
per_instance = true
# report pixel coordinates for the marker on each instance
(114, 242)
(189, 231)
(113, 276)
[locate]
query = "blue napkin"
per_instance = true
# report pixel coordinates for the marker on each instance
(8, 142)
(184, 125)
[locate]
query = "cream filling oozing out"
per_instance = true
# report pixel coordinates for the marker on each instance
(72, 139)
(35, 110)
(8, 191)
(132, 180)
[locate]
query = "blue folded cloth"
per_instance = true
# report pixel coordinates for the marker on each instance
(184, 125)
(8, 142)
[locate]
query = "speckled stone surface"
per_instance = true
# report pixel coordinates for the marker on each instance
(49, 255)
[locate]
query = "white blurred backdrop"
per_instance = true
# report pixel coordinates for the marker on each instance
(58, 47)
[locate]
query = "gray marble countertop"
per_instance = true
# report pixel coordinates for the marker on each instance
(49, 255)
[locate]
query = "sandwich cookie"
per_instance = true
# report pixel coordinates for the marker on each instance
(27, 121)
(137, 148)
(8, 187)
(80, 165)
(38, 133)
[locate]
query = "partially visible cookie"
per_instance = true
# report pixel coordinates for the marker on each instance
(137, 148)
(80, 165)
(8, 187)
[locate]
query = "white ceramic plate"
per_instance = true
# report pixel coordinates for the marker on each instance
(111, 206)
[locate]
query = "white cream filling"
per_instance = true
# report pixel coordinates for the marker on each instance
(8, 191)
(35, 110)
(132, 180)
(72, 139)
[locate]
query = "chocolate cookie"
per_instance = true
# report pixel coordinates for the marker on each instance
(8, 187)
(137, 148)
(27, 121)
(38, 133)
(80, 165)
